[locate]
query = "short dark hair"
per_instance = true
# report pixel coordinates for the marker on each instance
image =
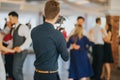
(14, 14)
(52, 8)
(98, 19)
(80, 17)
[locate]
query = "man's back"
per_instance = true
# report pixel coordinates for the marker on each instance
(98, 36)
(48, 43)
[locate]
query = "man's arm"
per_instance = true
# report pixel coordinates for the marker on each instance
(104, 33)
(25, 32)
(4, 49)
(62, 47)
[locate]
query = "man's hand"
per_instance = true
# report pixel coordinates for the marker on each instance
(17, 49)
(11, 51)
(75, 46)
(91, 33)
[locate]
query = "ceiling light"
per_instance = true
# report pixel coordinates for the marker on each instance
(79, 1)
(102, 0)
(82, 2)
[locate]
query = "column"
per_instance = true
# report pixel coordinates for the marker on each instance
(114, 21)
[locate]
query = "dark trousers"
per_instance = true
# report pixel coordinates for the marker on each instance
(97, 60)
(19, 59)
(9, 65)
(49, 76)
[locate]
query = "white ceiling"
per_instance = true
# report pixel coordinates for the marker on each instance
(68, 7)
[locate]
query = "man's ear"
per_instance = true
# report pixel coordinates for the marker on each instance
(57, 16)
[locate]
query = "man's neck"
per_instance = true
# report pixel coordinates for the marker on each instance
(50, 21)
(98, 24)
(16, 22)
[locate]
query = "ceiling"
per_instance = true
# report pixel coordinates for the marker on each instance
(68, 7)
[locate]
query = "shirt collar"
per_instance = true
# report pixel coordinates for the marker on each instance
(16, 25)
(98, 25)
(49, 24)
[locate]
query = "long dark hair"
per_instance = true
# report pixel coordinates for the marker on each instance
(109, 27)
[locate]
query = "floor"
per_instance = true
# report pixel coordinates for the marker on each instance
(115, 74)
(28, 69)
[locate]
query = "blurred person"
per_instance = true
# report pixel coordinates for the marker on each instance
(48, 44)
(6, 29)
(80, 67)
(21, 42)
(80, 21)
(7, 42)
(98, 49)
(4, 50)
(108, 58)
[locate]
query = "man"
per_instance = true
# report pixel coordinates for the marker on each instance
(99, 34)
(21, 42)
(48, 43)
(80, 21)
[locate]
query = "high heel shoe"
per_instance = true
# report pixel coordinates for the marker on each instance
(102, 77)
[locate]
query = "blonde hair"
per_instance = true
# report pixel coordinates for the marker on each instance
(78, 33)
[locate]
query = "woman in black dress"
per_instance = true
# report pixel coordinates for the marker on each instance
(108, 58)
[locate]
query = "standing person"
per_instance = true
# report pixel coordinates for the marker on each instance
(7, 41)
(80, 67)
(80, 21)
(108, 58)
(21, 42)
(98, 49)
(6, 50)
(48, 43)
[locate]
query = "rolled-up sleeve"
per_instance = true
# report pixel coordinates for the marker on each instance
(25, 32)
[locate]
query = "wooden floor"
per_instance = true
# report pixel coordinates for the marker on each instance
(28, 69)
(115, 74)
